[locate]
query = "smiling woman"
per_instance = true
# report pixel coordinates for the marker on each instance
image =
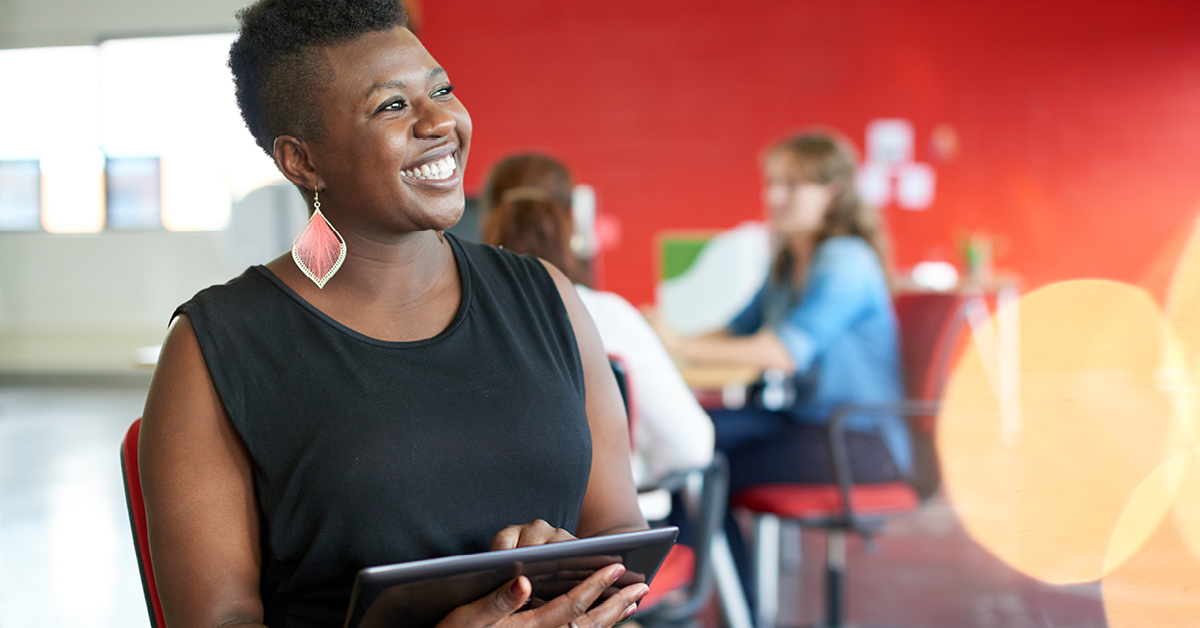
(297, 431)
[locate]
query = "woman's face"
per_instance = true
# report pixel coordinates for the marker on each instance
(396, 138)
(794, 205)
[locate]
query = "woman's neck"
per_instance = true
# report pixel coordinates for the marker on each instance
(800, 245)
(395, 270)
(403, 290)
(375, 269)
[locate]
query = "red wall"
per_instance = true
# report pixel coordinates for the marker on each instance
(1079, 121)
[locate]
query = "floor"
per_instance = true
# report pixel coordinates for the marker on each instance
(66, 550)
(66, 553)
(925, 571)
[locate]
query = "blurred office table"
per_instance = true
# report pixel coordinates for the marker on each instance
(992, 317)
(718, 386)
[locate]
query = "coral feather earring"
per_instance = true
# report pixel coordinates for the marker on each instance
(319, 250)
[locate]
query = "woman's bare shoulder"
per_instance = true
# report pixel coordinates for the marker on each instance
(199, 492)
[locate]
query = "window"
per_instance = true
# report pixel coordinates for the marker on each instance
(133, 193)
(145, 135)
(20, 195)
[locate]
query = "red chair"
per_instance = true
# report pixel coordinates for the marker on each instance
(137, 521)
(929, 329)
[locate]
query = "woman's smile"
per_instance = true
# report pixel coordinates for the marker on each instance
(439, 170)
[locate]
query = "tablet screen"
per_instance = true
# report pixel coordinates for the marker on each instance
(419, 594)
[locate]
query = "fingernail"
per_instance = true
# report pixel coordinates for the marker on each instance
(645, 591)
(629, 612)
(617, 571)
(515, 588)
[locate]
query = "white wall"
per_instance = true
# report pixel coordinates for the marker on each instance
(85, 303)
(25, 23)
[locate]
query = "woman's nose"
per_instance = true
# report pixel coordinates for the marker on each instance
(433, 120)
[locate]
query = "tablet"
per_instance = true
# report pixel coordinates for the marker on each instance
(420, 593)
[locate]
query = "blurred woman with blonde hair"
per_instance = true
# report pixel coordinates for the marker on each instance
(824, 320)
(824, 317)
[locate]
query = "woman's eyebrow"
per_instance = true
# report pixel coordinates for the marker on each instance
(398, 84)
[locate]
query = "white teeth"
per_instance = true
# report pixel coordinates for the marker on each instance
(436, 171)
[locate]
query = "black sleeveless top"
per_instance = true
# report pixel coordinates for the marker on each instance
(367, 452)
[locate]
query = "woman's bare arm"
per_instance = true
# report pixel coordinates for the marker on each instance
(201, 511)
(762, 350)
(610, 505)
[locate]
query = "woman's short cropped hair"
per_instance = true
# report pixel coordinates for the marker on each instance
(279, 69)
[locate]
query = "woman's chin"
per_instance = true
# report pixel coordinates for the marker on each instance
(443, 221)
(794, 230)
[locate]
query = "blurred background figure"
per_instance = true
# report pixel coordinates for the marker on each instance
(671, 430)
(527, 175)
(542, 177)
(823, 318)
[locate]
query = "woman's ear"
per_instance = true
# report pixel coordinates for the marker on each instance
(293, 160)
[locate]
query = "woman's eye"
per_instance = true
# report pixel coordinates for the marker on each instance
(393, 105)
(444, 91)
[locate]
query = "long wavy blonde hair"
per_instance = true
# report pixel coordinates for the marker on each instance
(826, 158)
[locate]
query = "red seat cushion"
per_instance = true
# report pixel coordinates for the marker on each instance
(674, 574)
(802, 501)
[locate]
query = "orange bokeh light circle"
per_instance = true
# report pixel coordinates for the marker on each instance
(1041, 477)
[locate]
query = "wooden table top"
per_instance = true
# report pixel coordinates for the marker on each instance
(716, 376)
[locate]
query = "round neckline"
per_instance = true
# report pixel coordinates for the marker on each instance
(464, 276)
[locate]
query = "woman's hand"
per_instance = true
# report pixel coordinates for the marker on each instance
(499, 609)
(763, 350)
(537, 533)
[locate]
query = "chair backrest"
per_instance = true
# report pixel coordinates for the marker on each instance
(930, 323)
(137, 520)
(680, 604)
(621, 374)
(930, 327)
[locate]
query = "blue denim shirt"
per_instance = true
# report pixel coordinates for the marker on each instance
(841, 332)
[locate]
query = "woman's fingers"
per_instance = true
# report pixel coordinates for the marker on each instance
(506, 538)
(537, 533)
(492, 608)
(619, 606)
(573, 605)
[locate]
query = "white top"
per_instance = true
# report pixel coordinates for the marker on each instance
(671, 430)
